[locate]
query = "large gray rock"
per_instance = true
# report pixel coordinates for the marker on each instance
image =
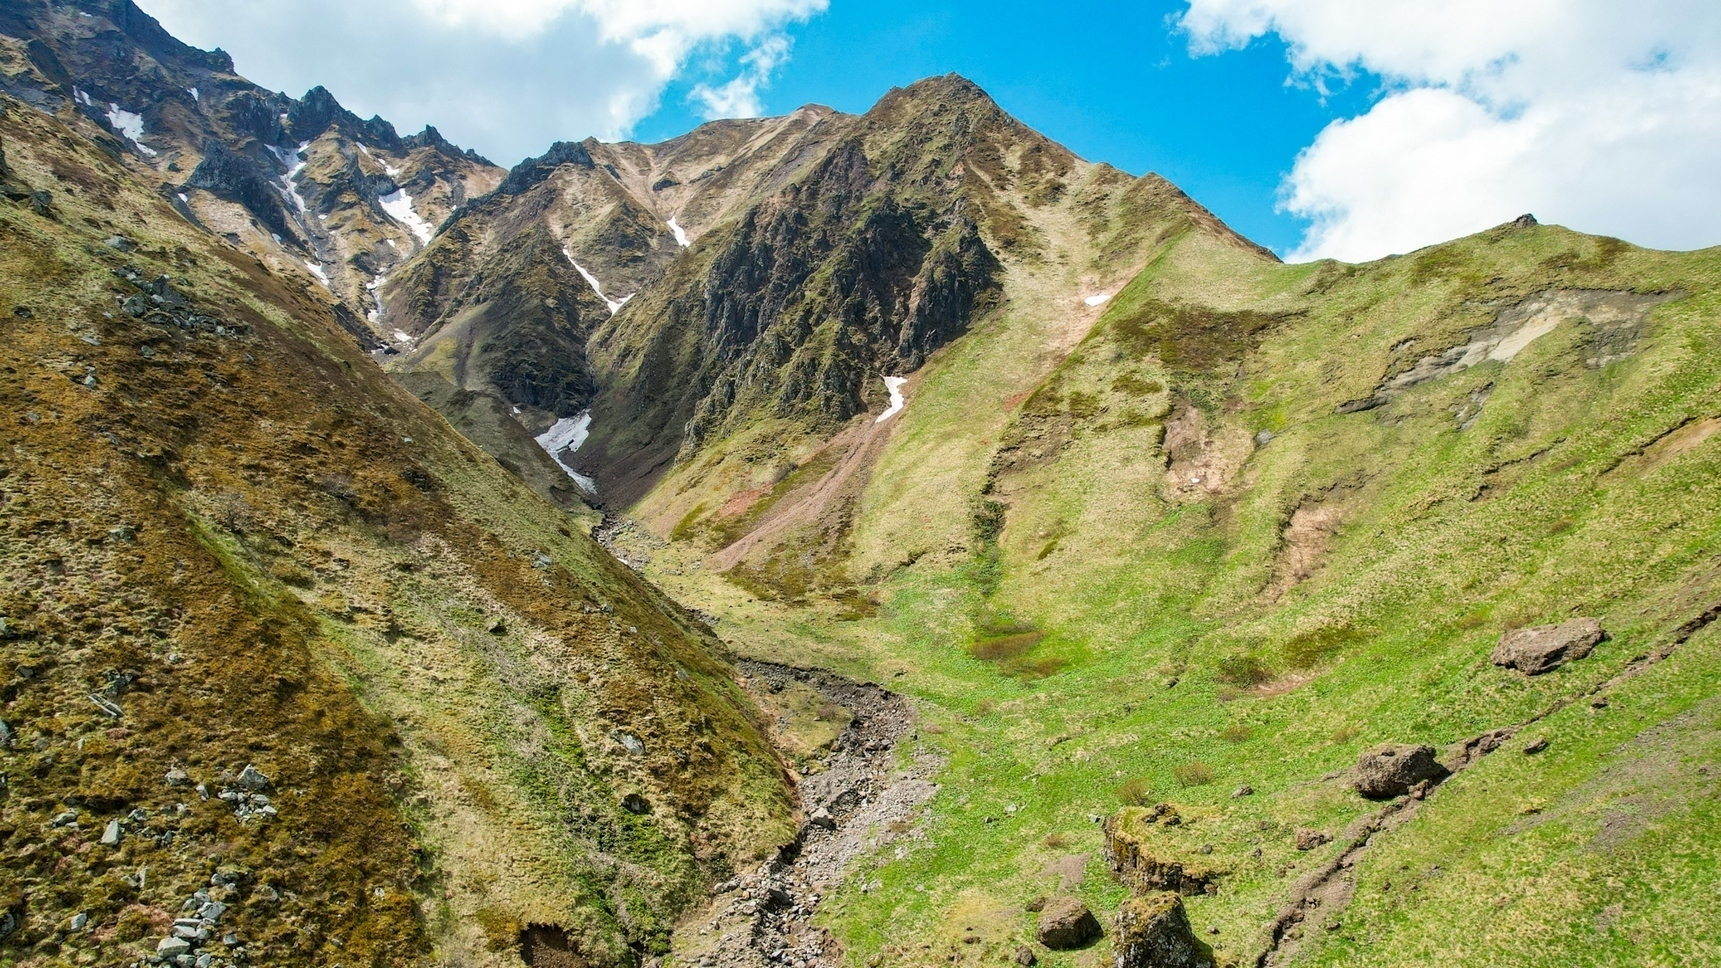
(1153, 932)
(1066, 924)
(252, 779)
(1391, 770)
(172, 947)
(1547, 647)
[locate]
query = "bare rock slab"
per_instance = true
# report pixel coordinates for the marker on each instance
(1153, 932)
(1067, 924)
(1392, 769)
(1545, 648)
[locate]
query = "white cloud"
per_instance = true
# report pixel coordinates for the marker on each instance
(739, 98)
(507, 77)
(1596, 114)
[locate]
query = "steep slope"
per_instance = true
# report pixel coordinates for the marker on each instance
(298, 183)
(280, 650)
(816, 252)
(756, 386)
(1261, 519)
(503, 304)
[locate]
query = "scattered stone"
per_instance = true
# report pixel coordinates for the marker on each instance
(252, 779)
(822, 818)
(1264, 438)
(1308, 838)
(1536, 745)
(630, 742)
(107, 706)
(1067, 924)
(1391, 770)
(1026, 958)
(5, 733)
(1154, 932)
(1243, 791)
(634, 803)
(172, 948)
(120, 243)
(67, 819)
(111, 835)
(79, 921)
(1545, 648)
(177, 777)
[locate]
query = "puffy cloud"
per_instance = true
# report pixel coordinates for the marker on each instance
(739, 98)
(1595, 114)
(507, 77)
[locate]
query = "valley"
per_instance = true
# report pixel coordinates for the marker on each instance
(879, 539)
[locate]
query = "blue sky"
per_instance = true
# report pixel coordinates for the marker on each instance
(1348, 129)
(1114, 83)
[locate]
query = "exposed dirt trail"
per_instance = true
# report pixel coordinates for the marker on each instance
(862, 801)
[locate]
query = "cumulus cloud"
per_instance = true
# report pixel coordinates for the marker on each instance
(505, 76)
(739, 98)
(1595, 114)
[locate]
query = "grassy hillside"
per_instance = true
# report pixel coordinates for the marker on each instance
(231, 541)
(1258, 519)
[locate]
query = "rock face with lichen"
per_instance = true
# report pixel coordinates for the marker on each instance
(1152, 931)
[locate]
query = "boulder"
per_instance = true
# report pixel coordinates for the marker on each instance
(1547, 647)
(1309, 838)
(1391, 770)
(1026, 958)
(252, 779)
(1152, 931)
(822, 818)
(1066, 924)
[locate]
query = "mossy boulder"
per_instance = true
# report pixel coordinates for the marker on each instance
(1144, 854)
(1152, 931)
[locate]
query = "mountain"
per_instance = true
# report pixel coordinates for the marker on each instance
(300, 183)
(1266, 614)
(282, 651)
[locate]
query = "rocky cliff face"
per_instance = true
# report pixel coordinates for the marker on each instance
(301, 183)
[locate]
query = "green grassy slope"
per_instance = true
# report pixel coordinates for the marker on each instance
(222, 519)
(1123, 593)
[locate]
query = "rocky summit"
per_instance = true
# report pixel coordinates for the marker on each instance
(877, 539)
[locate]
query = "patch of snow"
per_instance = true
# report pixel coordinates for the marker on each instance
(194, 95)
(294, 162)
(83, 97)
(564, 438)
(366, 151)
(128, 124)
(614, 304)
(317, 270)
(894, 385)
(184, 199)
(375, 287)
(680, 234)
(1098, 300)
(398, 204)
(402, 337)
(391, 243)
